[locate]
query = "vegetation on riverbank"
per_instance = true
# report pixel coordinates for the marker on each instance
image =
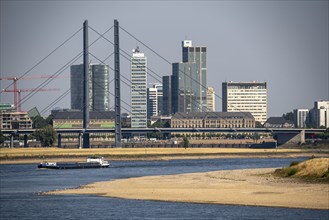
(314, 169)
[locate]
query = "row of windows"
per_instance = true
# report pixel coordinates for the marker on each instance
(138, 118)
(248, 102)
(198, 49)
(235, 96)
(247, 87)
(133, 77)
(216, 126)
(138, 104)
(211, 122)
(139, 83)
(258, 91)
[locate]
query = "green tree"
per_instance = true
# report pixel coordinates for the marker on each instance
(49, 119)
(46, 135)
(255, 137)
(40, 122)
(161, 124)
(258, 124)
(124, 123)
(288, 116)
(2, 138)
(186, 142)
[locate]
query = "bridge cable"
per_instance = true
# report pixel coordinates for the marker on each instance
(44, 58)
(47, 81)
(180, 70)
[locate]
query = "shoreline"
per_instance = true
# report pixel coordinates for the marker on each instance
(37, 155)
(159, 157)
(248, 187)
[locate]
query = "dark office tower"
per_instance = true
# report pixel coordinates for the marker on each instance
(189, 80)
(185, 88)
(77, 86)
(100, 87)
(166, 98)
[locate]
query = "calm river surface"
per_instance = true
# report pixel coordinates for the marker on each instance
(20, 186)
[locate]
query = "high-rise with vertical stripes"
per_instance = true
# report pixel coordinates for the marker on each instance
(138, 89)
(98, 87)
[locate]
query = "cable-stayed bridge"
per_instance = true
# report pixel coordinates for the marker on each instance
(283, 134)
(85, 131)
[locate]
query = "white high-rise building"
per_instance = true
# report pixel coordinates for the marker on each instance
(210, 99)
(138, 90)
(301, 118)
(154, 100)
(246, 97)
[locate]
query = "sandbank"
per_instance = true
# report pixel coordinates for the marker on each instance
(254, 187)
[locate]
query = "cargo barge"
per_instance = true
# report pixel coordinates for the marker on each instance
(92, 162)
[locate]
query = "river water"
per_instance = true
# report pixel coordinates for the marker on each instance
(20, 198)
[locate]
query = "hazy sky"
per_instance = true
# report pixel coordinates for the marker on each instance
(284, 43)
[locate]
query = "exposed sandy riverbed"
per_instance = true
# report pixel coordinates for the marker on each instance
(254, 187)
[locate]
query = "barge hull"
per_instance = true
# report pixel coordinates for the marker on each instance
(60, 166)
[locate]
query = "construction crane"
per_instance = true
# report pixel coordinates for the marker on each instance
(15, 90)
(19, 91)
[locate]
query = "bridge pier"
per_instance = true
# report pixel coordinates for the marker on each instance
(25, 141)
(86, 143)
(80, 140)
(59, 140)
(291, 138)
(11, 141)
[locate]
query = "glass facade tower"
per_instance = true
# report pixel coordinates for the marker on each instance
(189, 80)
(185, 87)
(166, 98)
(98, 87)
(77, 86)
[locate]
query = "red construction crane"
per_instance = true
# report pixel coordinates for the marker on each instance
(19, 91)
(15, 90)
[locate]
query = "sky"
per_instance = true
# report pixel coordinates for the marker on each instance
(283, 43)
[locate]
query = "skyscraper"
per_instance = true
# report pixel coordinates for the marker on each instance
(76, 86)
(154, 100)
(184, 88)
(319, 114)
(246, 97)
(166, 98)
(138, 90)
(210, 99)
(159, 88)
(301, 118)
(189, 80)
(98, 87)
